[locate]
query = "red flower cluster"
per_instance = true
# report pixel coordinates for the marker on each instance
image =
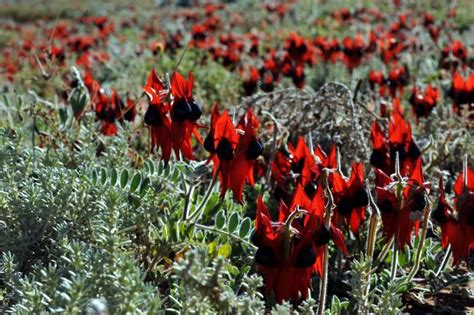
(462, 91)
(292, 247)
(423, 102)
(457, 221)
(328, 50)
(399, 141)
(354, 50)
(172, 114)
(350, 197)
(453, 55)
(108, 109)
(299, 166)
(401, 203)
(233, 150)
(394, 83)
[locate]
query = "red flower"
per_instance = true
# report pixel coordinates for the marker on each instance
(354, 49)
(300, 50)
(350, 197)
(185, 111)
(107, 113)
(453, 55)
(299, 166)
(342, 15)
(323, 234)
(303, 162)
(401, 212)
(391, 47)
(457, 223)
(399, 141)
(428, 19)
(423, 103)
(250, 83)
(233, 155)
(397, 80)
(328, 50)
(57, 53)
(247, 151)
(288, 249)
(156, 115)
(434, 32)
(462, 91)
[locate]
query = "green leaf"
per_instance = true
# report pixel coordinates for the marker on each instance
(245, 227)
(175, 175)
(233, 270)
(212, 248)
(151, 166)
(161, 166)
(113, 176)
(220, 219)
(144, 186)
(124, 178)
(103, 176)
(136, 180)
(233, 222)
(225, 250)
(94, 177)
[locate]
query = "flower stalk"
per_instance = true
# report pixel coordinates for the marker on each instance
(208, 194)
(426, 216)
(372, 233)
(327, 221)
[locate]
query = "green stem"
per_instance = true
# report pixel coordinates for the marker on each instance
(189, 193)
(419, 251)
(384, 252)
(207, 196)
(226, 233)
(324, 282)
(393, 268)
(373, 224)
(327, 221)
(447, 255)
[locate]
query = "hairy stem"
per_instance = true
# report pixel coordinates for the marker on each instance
(373, 224)
(393, 268)
(419, 250)
(447, 255)
(226, 233)
(207, 196)
(324, 282)
(189, 193)
(384, 251)
(327, 221)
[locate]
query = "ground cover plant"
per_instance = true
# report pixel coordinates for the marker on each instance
(237, 157)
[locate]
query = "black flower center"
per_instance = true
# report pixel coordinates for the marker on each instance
(265, 256)
(224, 150)
(255, 149)
(209, 143)
(153, 116)
(306, 257)
(323, 236)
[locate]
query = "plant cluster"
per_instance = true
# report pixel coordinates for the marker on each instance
(318, 167)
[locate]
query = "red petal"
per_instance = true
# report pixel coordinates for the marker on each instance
(318, 203)
(338, 238)
(417, 174)
(178, 85)
(225, 130)
(238, 175)
(377, 136)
